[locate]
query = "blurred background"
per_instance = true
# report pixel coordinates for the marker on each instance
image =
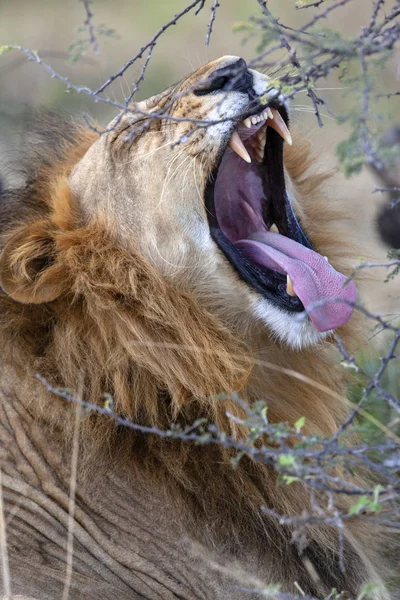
(55, 29)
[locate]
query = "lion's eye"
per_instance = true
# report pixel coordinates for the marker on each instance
(216, 84)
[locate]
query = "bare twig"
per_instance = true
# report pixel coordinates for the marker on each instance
(89, 26)
(310, 4)
(211, 22)
(149, 46)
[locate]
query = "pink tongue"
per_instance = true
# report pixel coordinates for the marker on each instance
(314, 280)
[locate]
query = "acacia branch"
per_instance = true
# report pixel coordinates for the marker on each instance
(89, 26)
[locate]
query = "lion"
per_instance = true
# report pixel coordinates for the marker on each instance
(187, 256)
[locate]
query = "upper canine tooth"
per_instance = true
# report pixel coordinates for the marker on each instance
(279, 125)
(247, 123)
(274, 228)
(289, 287)
(237, 146)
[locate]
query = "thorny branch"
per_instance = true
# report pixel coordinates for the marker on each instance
(89, 26)
(211, 22)
(323, 465)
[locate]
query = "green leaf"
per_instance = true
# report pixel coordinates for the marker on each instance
(264, 413)
(287, 460)
(367, 591)
(289, 479)
(300, 423)
(359, 506)
(365, 504)
(5, 49)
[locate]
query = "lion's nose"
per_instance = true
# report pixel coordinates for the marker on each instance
(235, 77)
(239, 78)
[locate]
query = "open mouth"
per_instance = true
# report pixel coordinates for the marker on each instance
(252, 222)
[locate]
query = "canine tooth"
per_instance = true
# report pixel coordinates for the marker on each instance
(274, 229)
(247, 123)
(270, 113)
(237, 146)
(279, 125)
(289, 287)
(326, 258)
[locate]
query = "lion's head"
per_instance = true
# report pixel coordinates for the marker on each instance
(205, 202)
(195, 180)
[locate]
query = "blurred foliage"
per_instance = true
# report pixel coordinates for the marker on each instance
(80, 47)
(374, 404)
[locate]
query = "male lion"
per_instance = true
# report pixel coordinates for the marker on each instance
(166, 265)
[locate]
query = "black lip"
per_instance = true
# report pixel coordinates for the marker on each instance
(270, 284)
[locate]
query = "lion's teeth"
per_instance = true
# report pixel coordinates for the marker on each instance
(255, 119)
(326, 258)
(289, 287)
(274, 228)
(260, 156)
(270, 114)
(279, 125)
(262, 138)
(237, 146)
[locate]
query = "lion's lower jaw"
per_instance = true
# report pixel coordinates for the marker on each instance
(293, 329)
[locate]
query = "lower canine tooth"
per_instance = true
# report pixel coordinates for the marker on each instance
(237, 146)
(289, 287)
(247, 123)
(274, 228)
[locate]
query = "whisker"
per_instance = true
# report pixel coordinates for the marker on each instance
(311, 110)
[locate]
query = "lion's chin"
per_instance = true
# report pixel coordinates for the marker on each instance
(292, 329)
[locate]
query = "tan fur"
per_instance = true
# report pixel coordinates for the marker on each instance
(82, 297)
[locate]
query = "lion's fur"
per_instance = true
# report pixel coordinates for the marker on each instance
(164, 358)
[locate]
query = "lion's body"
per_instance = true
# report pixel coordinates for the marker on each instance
(162, 325)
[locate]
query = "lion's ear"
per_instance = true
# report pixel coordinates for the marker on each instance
(29, 270)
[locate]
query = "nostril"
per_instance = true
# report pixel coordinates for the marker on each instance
(241, 80)
(240, 65)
